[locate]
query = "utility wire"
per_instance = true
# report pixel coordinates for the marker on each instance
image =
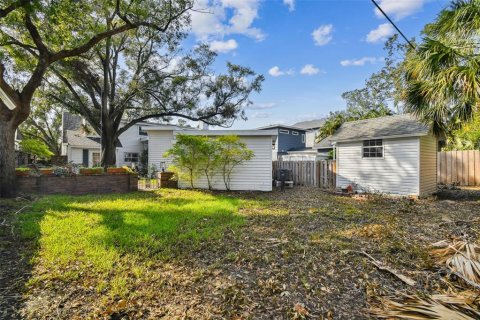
(393, 24)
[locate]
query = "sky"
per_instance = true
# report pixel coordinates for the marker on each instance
(310, 51)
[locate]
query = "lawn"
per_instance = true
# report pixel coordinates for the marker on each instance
(189, 254)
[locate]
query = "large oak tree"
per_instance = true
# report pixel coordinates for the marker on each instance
(36, 34)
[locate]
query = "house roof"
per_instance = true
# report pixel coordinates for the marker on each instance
(273, 126)
(310, 124)
(229, 132)
(403, 125)
(78, 139)
(324, 144)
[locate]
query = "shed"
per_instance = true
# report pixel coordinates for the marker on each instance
(255, 174)
(393, 155)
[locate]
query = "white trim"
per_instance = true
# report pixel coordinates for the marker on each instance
(227, 132)
(380, 137)
(285, 131)
(303, 137)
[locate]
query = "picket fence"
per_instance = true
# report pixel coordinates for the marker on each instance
(309, 173)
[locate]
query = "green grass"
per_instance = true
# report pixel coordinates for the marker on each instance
(109, 236)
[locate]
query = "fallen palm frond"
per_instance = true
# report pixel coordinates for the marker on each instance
(459, 306)
(461, 257)
(380, 265)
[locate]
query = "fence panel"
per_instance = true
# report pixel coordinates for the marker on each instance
(309, 173)
(461, 167)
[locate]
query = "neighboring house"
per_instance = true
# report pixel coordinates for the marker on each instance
(82, 145)
(311, 128)
(255, 174)
(290, 138)
(392, 155)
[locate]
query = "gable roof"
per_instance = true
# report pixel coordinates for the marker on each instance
(403, 125)
(78, 139)
(310, 124)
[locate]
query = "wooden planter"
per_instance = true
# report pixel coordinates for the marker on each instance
(90, 171)
(166, 180)
(22, 173)
(116, 170)
(46, 172)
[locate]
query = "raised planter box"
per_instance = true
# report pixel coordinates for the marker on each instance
(166, 180)
(46, 172)
(78, 185)
(91, 171)
(22, 173)
(116, 170)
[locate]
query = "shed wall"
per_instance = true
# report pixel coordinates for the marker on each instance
(395, 173)
(428, 165)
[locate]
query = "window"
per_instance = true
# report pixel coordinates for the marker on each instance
(303, 137)
(295, 133)
(141, 132)
(284, 131)
(96, 159)
(373, 148)
(131, 157)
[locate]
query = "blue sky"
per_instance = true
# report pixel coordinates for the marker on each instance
(310, 51)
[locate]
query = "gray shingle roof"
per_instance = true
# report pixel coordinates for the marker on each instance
(324, 144)
(389, 126)
(77, 138)
(310, 124)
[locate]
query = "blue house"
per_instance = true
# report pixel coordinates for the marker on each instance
(289, 138)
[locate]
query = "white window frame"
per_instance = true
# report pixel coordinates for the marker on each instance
(377, 143)
(303, 137)
(96, 163)
(284, 131)
(295, 133)
(129, 156)
(141, 132)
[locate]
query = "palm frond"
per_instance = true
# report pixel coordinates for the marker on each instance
(439, 307)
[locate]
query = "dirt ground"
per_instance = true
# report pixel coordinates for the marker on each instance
(298, 257)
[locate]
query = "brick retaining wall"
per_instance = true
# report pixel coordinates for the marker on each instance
(80, 184)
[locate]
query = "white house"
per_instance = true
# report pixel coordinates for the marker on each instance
(393, 155)
(82, 145)
(255, 174)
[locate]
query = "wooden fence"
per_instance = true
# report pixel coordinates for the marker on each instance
(462, 167)
(309, 173)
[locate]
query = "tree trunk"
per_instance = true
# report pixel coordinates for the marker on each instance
(109, 148)
(7, 159)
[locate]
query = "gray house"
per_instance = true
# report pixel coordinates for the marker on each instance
(290, 138)
(311, 129)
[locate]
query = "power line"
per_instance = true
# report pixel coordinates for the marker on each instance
(393, 24)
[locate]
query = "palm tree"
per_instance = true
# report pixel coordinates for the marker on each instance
(443, 73)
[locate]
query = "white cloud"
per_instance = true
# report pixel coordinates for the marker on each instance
(225, 17)
(309, 70)
(399, 9)
(359, 62)
(262, 106)
(277, 72)
(381, 33)
(322, 35)
(223, 46)
(290, 4)
(260, 115)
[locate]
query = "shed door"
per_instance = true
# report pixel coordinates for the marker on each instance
(85, 157)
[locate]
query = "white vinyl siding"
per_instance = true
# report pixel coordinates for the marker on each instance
(76, 155)
(131, 143)
(395, 173)
(428, 165)
(158, 143)
(255, 174)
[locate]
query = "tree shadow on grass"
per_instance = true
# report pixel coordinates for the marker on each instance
(102, 231)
